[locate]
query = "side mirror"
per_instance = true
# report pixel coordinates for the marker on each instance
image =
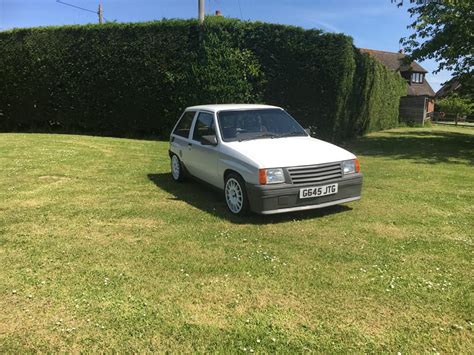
(209, 140)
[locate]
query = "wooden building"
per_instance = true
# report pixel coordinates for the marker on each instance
(418, 105)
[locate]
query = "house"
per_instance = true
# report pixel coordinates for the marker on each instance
(450, 87)
(418, 105)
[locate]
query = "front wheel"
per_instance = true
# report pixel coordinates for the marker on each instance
(176, 169)
(236, 195)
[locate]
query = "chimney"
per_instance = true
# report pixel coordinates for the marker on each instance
(218, 13)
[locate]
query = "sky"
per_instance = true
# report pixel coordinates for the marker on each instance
(375, 24)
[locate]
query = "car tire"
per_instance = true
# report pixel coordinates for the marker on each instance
(177, 171)
(235, 195)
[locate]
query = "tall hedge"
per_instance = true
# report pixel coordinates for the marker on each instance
(135, 79)
(375, 98)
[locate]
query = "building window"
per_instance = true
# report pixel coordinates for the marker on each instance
(417, 78)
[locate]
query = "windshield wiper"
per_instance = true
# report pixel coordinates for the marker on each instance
(292, 134)
(266, 135)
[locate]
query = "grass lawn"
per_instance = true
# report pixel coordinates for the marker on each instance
(100, 250)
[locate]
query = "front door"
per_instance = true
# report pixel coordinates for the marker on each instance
(202, 162)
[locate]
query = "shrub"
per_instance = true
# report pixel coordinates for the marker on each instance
(456, 105)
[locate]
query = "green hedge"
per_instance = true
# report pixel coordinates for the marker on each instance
(375, 98)
(135, 79)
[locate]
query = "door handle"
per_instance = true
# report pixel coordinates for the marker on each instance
(189, 145)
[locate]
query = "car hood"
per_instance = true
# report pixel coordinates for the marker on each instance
(291, 151)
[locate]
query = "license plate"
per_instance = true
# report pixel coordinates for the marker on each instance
(318, 191)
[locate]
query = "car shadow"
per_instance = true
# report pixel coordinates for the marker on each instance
(211, 200)
(418, 145)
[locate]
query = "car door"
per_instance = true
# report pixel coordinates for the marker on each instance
(203, 158)
(180, 138)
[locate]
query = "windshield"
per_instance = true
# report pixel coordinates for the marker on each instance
(257, 124)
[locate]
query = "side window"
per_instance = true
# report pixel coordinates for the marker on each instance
(204, 126)
(184, 125)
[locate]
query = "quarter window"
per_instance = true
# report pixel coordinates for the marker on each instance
(204, 126)
(184, 125)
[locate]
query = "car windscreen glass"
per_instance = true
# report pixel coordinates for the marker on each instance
(242, 125)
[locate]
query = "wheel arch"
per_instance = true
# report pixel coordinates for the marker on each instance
(227, 172)
(245, 208)
(182, 165)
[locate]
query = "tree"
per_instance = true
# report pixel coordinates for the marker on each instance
(443, 31)
(456, 105)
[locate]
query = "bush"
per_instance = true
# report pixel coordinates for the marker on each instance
(135, 79)
(456, 105)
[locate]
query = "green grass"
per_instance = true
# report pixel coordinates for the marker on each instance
(101, 251)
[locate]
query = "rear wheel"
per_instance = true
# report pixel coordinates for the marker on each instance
(176, 168)
(236, 194)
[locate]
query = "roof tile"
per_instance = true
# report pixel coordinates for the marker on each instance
(393, 60)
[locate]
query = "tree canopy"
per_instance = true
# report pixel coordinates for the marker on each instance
(456, 105)
(443, 31)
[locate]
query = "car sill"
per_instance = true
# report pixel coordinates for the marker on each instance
(310, 207)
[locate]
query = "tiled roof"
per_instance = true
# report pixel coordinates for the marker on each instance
(449, 87)
(423, 89)
(393, 60)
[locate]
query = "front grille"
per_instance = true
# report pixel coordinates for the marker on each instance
(315, 173)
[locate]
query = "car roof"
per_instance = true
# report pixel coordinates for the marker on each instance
(229, 107)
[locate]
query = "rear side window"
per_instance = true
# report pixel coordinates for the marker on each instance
(204, 126)
(184, 124)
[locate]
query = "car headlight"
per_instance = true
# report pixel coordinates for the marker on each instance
(271, 176)
(350, 166)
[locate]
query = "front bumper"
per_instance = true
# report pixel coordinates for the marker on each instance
(270, 199)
